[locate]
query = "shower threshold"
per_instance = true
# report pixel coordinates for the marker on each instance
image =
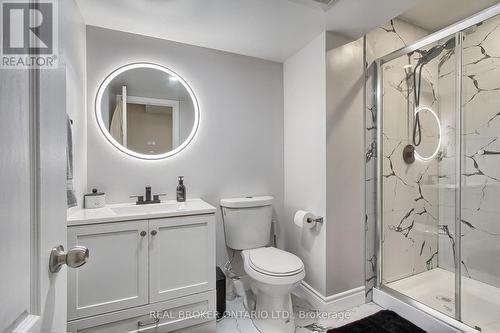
(436, 288)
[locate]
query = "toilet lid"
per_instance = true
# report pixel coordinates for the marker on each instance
(273, 261)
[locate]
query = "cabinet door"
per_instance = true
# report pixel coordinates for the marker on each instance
(116, 275)
(181, 256)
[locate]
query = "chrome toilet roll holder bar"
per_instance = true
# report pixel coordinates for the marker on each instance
(317, 219)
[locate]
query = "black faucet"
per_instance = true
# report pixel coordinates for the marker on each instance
(141, 201)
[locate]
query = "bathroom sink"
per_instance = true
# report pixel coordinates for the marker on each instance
(147, 209)
(131, 211)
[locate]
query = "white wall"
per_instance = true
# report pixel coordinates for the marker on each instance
(345, 165)
(72, 34)
(305, 156)
(238, 150)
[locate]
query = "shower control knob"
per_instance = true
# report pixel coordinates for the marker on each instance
(409, 154)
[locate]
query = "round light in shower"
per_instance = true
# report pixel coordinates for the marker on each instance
(427, 158)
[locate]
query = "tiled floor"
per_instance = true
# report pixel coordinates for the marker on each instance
(306, 319)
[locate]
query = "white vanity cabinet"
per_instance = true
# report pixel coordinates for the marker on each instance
(181, 257)
(116, 275)
(155, 264)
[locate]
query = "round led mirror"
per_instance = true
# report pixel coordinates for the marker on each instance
(147, 111)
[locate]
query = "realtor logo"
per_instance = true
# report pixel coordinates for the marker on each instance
(29, 34)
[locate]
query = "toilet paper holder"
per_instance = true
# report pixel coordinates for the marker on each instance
(317, 219)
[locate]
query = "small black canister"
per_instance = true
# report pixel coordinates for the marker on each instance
(220, 285)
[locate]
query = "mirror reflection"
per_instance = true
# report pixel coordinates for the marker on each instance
(147, 110)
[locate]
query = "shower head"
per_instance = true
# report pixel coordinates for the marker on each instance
(435, 51)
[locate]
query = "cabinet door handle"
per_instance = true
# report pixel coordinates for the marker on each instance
(144, 323)
(143, 233)
(153, 232)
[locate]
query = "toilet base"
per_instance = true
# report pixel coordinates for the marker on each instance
(273, 312)
(273, 307)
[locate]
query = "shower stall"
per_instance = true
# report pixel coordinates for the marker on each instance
(438, 171)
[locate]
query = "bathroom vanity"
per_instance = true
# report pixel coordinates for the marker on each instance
(151, 268)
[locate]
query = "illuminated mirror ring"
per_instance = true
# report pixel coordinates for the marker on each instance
(113, 141)
(425, 108)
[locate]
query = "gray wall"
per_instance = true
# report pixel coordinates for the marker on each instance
(344, 165)
(238, 149)
(324, 169)
(305, 147)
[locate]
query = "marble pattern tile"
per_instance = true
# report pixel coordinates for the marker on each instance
(307, 320)
(379, 42)
(481, 161)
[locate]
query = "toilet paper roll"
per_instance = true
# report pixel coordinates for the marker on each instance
(301, 217)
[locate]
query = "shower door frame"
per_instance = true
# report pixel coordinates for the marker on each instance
(457, 31)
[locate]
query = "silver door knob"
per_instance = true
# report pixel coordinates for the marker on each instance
(75, 257)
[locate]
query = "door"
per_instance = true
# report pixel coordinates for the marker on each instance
(181, 256)
(14, 203)
(117, 276)
(32, 199)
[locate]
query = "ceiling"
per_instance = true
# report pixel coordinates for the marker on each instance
(433, 15)
(268, 29)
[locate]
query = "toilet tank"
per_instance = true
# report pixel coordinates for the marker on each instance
(247, 221)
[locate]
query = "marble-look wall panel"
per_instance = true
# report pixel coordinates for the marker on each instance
(410, 191)
(481, 160)
(379, 42)
(447, 161)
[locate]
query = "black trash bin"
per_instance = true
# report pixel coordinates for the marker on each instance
(220, 285)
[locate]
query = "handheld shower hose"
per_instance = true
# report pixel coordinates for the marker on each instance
(433, 52)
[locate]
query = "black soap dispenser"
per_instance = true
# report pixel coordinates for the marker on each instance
(181, 190)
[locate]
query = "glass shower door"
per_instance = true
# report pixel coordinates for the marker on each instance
(418, 174)
(439, 172)
(480, 213)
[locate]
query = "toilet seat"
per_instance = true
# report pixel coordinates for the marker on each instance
(274, 262)
(263, 265)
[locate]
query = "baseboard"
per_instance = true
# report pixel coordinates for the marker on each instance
(338, 302)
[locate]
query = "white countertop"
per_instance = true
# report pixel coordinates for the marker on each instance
(131, 211)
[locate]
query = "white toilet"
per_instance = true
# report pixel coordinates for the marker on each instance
(273, 273)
